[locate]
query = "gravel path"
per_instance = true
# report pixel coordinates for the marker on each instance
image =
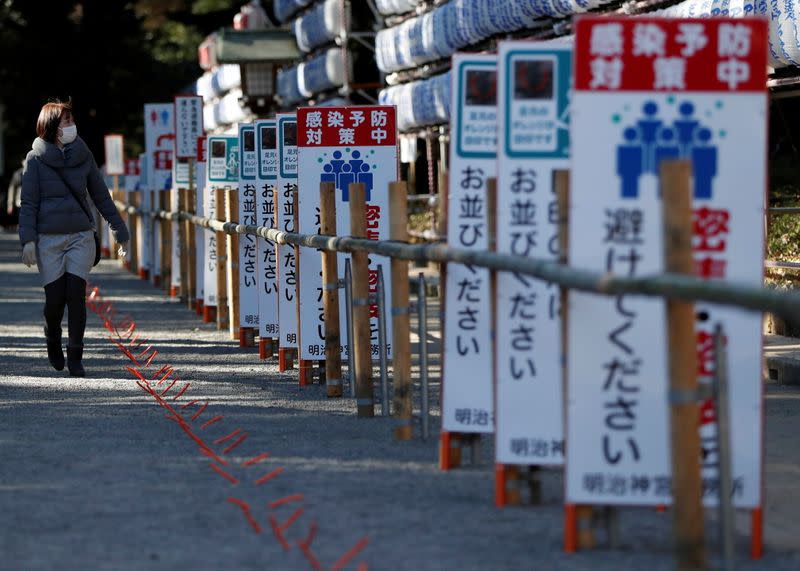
(94, 475)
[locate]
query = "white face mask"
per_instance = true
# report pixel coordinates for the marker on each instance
(68, 134)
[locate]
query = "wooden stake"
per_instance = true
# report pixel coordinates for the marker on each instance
(222, 263)
(401, 319)
(133, 229)
(166, 242)
(330, 299)
(183, 251)
(231, 214)
(189, 244)
(362, 348)
(685, 440)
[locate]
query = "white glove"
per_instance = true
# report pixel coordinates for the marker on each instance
(122, 251)
(29, 254)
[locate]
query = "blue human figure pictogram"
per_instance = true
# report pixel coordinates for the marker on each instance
(355, 162)
(345, 178)
(704, 163)
(327, 174)
(667, 147)
(630, 163)
(685, 127)
(648, 128)
(365, 177)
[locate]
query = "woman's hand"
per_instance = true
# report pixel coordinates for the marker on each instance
(29, 254)
(122, 251)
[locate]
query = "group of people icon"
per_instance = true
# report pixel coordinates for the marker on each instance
(651, 141)
(342, 173)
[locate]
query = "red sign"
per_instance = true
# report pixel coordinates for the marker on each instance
(660, 54)
(343, 126)
(201, 149)
(132, 167)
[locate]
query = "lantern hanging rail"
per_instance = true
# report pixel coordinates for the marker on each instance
(673, 286)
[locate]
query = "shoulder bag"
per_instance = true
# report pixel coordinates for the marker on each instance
(88, 214)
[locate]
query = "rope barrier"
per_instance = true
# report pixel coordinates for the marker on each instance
(673, 286)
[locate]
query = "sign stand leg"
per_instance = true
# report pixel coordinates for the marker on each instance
(306, 370)
(449, 450)
(570, 528)
(757, 533)
(285, 362)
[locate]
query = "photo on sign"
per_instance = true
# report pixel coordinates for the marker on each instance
(533, 79)
(481, 87)
(268, 140)
(290, 134)
(218, 149)
(249, 141)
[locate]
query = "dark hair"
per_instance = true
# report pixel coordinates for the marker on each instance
(50, 118)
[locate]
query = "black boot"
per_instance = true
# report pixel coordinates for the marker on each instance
(74, 356)
(55, 353)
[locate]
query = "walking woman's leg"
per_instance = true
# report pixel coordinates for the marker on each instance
(76, 321)
(55, 298)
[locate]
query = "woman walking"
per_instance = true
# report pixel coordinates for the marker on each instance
(56, 229)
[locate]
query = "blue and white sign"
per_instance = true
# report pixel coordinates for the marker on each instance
(267, 151)
(248, 271)
(534, 92)
(467, 390)
(284, 208)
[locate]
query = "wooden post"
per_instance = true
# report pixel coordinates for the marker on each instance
(232, 214)
(115, 195)
(401, 327)
(166, 242)
(685, 440)
(362, 349)
(330, 299)
(133, 230)
(183, 252)
(189, 244)
(222, 263)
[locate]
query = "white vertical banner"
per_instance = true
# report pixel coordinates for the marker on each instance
(284, 207)
(200, 233)
(267, 148)
(188, 125)
(343, 145)
(656, 89)
(158, 134)
(115, 155)
(467, 390)
(533, 119)
(248, 271)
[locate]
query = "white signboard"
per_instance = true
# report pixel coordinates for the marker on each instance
(188, 125)
(177, 245)
(180, 174)
(343, 145)
(656, 89)
(467, 390)
(115, 155)
(158, 136)
(533, 118)
(284, 207)
(267, 148)
(248, 260)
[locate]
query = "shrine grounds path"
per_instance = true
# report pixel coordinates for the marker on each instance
(94, 476)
